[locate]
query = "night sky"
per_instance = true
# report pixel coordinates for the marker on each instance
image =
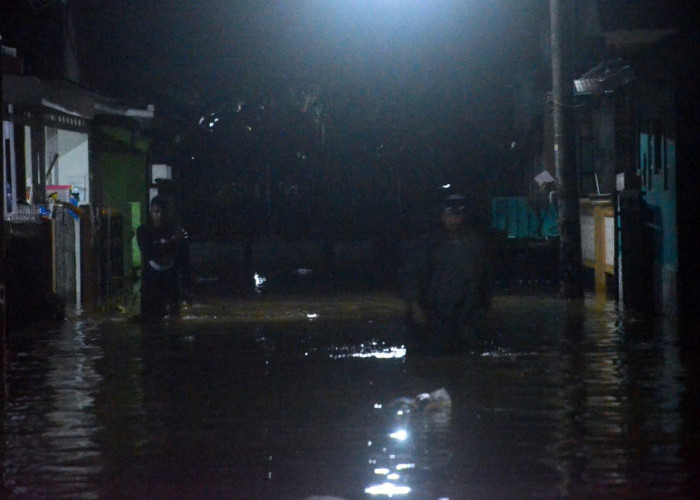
(377, 44)
(135, 48)
(426, 84)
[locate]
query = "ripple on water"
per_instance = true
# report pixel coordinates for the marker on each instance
(568, 401)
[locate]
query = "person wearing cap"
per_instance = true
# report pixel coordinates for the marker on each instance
(165, 272)
(446, 284)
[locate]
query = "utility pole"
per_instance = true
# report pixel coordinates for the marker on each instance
(568, 220)
(71, 66)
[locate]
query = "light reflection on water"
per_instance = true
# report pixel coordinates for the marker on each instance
(413, 450)
(50, 415)
(372, 349)
(569, 400)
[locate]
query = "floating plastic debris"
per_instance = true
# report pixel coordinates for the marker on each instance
(259, 282)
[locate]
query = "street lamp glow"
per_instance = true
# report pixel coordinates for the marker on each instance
(399, 435)
(387, 490)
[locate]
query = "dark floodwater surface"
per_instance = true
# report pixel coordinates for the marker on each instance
(292, 399)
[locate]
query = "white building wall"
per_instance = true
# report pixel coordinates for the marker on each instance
(74, 162)
(72, 166)
(588, 237)
(28, 163)
(51, 150)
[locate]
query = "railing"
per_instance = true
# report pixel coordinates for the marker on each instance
(23, 213)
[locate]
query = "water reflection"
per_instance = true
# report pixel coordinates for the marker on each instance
(572, 400)
(413, 450)
(50, 413)
(619, 378)
(372, 349)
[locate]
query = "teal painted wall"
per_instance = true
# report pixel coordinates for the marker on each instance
(657, 157)
(518, 217)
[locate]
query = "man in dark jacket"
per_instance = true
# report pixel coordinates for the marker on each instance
(446, 284)
(164, 254)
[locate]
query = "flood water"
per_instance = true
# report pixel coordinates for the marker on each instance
(290, 398)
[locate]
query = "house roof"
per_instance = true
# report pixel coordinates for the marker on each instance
(66, 97)
(55, 94)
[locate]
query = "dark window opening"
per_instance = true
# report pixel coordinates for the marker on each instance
(8, 176)
(21, 166)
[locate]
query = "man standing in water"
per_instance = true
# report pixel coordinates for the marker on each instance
(165, 272)
(446, 284)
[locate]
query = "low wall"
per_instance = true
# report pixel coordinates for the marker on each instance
(361, 261)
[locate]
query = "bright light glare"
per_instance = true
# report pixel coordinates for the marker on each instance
(393, 477)
(405, 466)
(399, 435)
(382, 471)
(387, 489)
